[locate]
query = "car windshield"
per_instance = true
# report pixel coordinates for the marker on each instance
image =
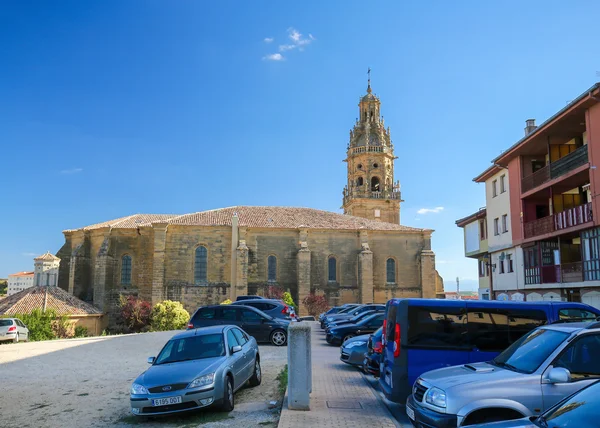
(581, 410)
(5, 323)
(192, 348)
(346, 310)
(530, 351)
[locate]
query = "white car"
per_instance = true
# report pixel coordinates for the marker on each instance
(13, 329)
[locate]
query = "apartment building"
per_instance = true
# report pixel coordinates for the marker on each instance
(475, 229)
(19, 281)
(545, 221)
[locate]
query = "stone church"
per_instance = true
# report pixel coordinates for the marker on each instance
(363, 255)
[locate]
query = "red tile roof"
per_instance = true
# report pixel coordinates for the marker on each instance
(58, 299)
(22, 274)
(260, 217)
(47, 257)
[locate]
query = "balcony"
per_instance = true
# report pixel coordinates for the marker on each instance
(564, 220)
(563, 273)
(355, 193)
(556, 169)
(369, 149)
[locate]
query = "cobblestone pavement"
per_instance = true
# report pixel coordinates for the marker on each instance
(341, 397)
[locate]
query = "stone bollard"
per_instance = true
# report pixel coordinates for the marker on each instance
(299, 366)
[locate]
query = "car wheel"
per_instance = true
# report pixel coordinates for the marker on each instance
(257, 375)
(16, 339)
(228, 400)
(278, 338)
(346, 337)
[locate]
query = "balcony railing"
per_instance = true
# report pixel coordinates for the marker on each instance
(560, 221)
(368, 149)
(535, 179)
(560, 167)
(571, 272)
(354, 193)
(566, 272)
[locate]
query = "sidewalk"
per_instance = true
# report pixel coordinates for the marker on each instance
(341, 397)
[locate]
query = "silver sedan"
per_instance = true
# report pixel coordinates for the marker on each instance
(195, 369)
(13, 329)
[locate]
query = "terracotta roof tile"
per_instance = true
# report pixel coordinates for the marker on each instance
(22, 274)
(58, 299)
(259, 217)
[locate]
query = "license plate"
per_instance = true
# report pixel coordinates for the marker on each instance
(388, 380)
(410, 412)
(166, 401)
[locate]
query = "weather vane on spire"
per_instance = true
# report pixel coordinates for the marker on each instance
(369, 80)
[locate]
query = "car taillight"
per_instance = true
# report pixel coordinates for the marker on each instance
(378, 348)
(285, 310)
(397, 341)
(190, 326)
(12, 328)
(384, 332)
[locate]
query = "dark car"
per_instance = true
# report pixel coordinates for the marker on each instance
(341, 311)
(275, 308)
(352, 313)
(353, 350)
(352, 320)
(263, 327)
(373, 354)
(339, 335)
(333, 311)
(241, 298)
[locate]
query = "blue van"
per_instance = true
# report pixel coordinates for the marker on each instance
(420, 335)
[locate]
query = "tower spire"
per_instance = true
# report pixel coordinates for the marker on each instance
(369, 80)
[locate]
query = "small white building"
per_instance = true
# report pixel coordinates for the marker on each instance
(19, 281)
(46, 270)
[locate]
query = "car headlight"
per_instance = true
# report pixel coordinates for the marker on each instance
(137, 389)
(202, 381)
(436, 396)
(357, 343)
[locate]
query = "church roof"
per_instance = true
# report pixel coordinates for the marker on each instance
(47, 257)
(262, 217)
(57, 299)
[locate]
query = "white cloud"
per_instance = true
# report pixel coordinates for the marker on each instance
(294, 34)
(29, 254)
(283, 48)
(274, 57)
(71, 171)
(268, 39)
(435, 210)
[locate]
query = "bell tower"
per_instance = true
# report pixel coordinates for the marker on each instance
(371, 191)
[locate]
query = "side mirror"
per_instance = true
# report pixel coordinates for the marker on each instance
(236, 349)
(559, 375)
(151, 360)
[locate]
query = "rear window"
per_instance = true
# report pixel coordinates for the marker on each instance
(205, 314)
(575, 314)
(391, 322)
(5, 323)
(437, 327)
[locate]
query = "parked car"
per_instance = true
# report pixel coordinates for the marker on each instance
(341, 311)
(333, 310)
(581, 409)
(13, 329)
(533, 374)
(263, 327)
(197, 369)
(426, 334)
(339, 335)
(372, 358)
(241, 298)
(352, 313)
(353, 350)
(352, 320)
(272, 307)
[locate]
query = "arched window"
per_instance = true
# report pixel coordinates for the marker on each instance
(360, 181)
(375, 184)
(332, 269)
(200, 265)
(272, 269)
(126, 269)
(390, 271)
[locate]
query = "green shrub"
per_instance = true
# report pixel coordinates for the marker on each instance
(226, 302)
(40, 324)
(134, 314)
(168, 315)
(287, 298)
(81, 331)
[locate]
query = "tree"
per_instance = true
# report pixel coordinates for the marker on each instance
(315, 305)
(168, 315)
(3, 286)
(134, 314)
(226, 302)
(274, 292)
(287, 298)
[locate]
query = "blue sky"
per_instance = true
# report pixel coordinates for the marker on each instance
(118, 107)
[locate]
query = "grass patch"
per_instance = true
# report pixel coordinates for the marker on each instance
(282, 378)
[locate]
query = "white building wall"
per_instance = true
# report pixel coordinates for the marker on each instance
(17, 283)
(472, 237)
